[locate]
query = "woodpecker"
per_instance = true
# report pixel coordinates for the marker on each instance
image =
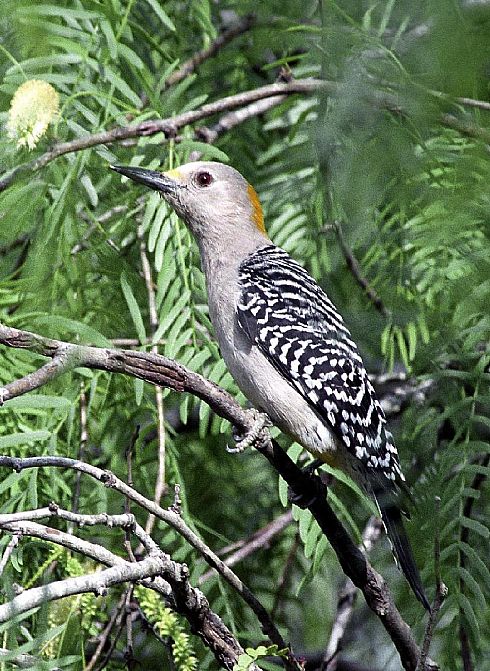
(283, 340)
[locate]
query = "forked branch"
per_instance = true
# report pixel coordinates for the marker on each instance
(162, 371)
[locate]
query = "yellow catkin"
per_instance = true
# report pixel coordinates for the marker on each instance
(34, 106)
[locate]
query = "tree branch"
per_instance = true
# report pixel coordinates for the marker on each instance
(22, 660)
(261, 538)
(170, 578)
(170, 126)
(169, 516)
(232, 119)
(12, 544)
(199, 57)
(441, 593)
(354, 267)
(160, 370)
(92, 582)
(160, 485)
(347, 600)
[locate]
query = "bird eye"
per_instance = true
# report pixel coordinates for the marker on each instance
(204, 179)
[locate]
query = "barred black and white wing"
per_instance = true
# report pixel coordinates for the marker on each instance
(288, 316)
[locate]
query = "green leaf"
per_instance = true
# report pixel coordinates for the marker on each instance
(38, 401)
(320, 549)
(339, 475)
(54, 10)
(150, 209)
(341, 509)
(283, 492)
(412, 340)
(469, 612)
(475, 526)
(164, 18)
(15, 439)
(314, 533)
(119, 83)
(209, 151)
(130, 56)
(83, 332)
(11, 481)
(294, 452)
(473, 585)
(402, 347)
(305, 519)
(133, 309)
(106, 28)
(32, 489)
(155, 230)
(33, 644)
(139, 387)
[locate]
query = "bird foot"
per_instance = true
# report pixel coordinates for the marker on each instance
(261, 422)
(318, 488)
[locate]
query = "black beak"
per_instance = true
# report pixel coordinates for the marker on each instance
(151, 178)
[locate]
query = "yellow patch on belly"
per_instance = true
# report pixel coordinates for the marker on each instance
(330, 458)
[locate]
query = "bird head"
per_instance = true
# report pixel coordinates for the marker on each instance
(213, 199)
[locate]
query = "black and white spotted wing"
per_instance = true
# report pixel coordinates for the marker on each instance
(288, 316)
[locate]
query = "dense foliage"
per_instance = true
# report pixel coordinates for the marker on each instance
(393, 163)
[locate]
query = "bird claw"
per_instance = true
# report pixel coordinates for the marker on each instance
(261, 422)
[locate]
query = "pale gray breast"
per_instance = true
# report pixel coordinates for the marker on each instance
(261, 383)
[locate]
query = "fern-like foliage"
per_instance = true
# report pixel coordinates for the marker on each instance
(383, 159)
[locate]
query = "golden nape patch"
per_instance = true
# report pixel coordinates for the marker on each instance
(173, 174)
(257, 214)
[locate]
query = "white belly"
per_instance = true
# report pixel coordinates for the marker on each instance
(269, 392)
(261, 383)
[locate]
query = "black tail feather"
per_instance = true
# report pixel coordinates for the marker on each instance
(393, 521)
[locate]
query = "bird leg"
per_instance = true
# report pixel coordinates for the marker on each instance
(318, 488)
(261, 422)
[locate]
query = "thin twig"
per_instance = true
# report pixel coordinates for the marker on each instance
(12, 544)
(160, 486)
(354, 267)
(82, 445)
(104, 635)
(256, 541)
(128, 654)
(478, 481)
(118, 626)
(170, 579)
(228, 121)
(441, 593)
(471, 102)
(347, 600)
(170, 126)
(127, 502)
(134, 342)
(187, 68)
(286, 574)
(98, 583)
